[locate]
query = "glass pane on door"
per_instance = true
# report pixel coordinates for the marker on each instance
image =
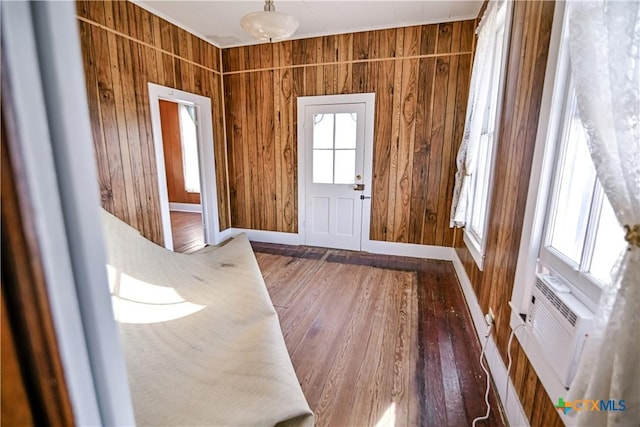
(323, 131)
(334, 148)
(346, 128)
(323, 166)
(345, 167)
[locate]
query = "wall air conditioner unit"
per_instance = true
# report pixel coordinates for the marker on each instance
(560, 323)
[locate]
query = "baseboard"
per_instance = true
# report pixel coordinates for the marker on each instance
(263, 236)
(409, 250)
(506, 391)
(185, 207)
(372, 246)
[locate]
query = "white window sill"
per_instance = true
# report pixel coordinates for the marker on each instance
(474, 248)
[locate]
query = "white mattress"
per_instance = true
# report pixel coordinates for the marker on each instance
(201, 338)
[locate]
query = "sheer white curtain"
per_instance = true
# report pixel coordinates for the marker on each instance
(476, 105)
(604, 42)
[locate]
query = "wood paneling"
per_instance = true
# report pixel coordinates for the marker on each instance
(172, 147)
(420, 76)
(125, 47)
(529, 44)
(16, 410)
(376, 337)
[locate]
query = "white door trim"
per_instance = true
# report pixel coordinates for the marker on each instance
(209, 192)
(369, 100)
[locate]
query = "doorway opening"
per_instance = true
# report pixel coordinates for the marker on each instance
(181, 161)
(183, 139)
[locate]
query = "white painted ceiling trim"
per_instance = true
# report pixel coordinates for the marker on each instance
(218, 21)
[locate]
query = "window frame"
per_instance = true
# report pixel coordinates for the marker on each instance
(534, 236)
(577, 276)
(536, 206)
(476, 241)
(582, 283)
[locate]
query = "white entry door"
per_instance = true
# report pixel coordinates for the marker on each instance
(335, 174)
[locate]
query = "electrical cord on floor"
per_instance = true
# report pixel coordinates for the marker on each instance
(486, 371)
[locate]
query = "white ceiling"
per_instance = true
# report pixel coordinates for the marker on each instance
(219, 21)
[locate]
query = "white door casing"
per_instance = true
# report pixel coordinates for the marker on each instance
(331, 211)
(206, 160)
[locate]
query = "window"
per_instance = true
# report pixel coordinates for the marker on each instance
(334, 148)
(582, 238)
(572, 232)
(189, 139)
(569, 229)
(480, 179)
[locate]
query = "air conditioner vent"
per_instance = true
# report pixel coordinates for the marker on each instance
(560, 324)
(553, 299)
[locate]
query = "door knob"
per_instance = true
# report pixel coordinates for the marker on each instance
(358, 187)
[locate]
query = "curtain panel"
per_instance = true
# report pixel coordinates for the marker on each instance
(476, 109)
(604, 44)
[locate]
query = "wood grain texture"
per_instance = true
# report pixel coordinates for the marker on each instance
(420, 76)
(172, 147)
(375, 338)
(526, 66)
(187, 231)
(35, 390)
(124, 48)
(16, 410)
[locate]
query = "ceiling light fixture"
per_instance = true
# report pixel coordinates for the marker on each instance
(269, 25)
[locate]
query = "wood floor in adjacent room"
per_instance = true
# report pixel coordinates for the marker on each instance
(187, 231)
(377, 340)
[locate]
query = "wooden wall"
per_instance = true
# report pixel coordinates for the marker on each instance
(420, 76)
(525, 78)
(124, 47)
(33, 388)
(172, 147)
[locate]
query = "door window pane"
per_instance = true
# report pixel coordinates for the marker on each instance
(323, 166)
(323, 131)
(346, 130)
(609, 244)
(345, 166)
(334, 148)
(575, 194)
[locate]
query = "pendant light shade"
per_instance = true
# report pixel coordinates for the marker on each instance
(269, 25)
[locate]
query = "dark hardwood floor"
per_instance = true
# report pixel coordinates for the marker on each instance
(187, 231)
(377, 340)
